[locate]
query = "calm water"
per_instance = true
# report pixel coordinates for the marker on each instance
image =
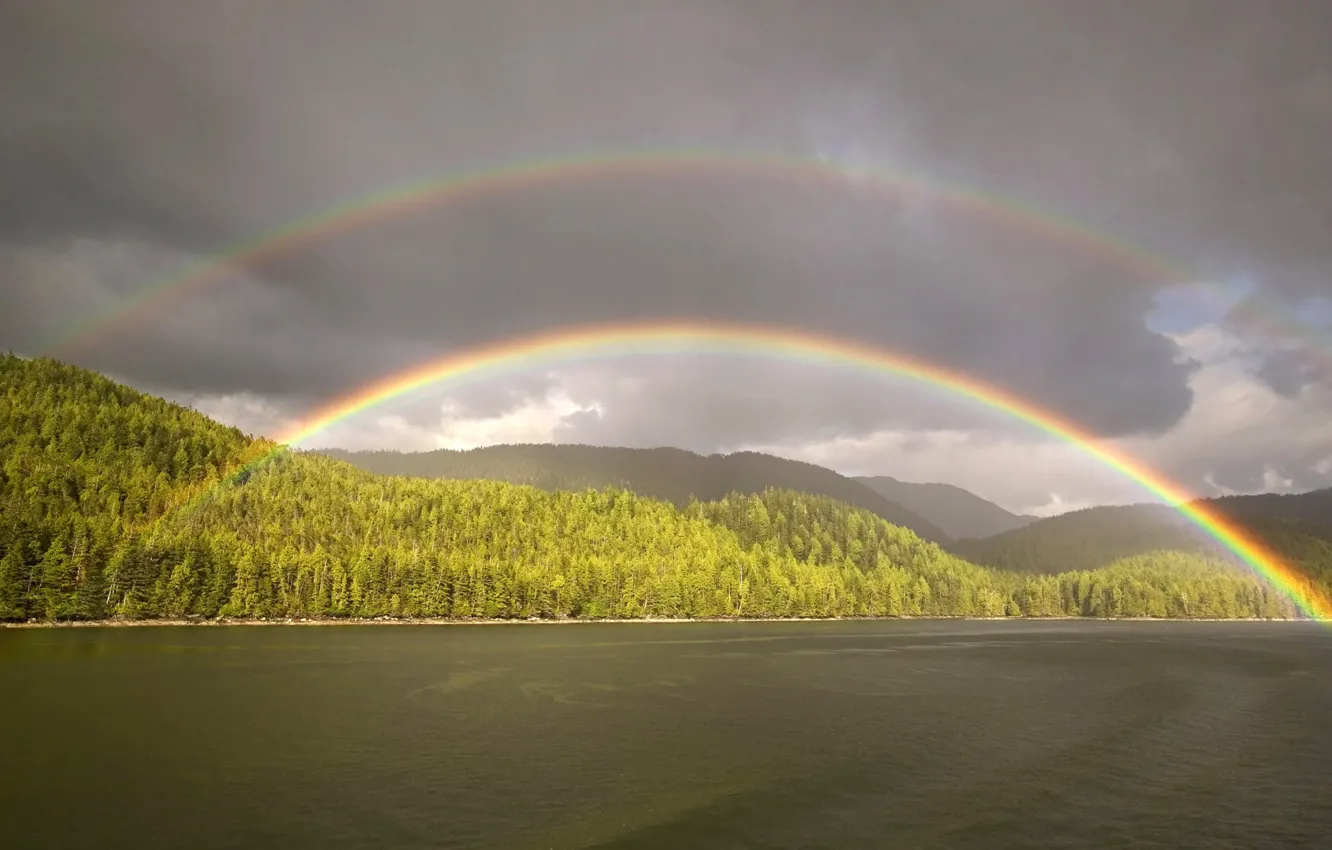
(775, 735)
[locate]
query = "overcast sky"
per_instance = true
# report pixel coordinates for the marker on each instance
(140, 135)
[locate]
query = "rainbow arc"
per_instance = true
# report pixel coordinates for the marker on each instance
(598, 342)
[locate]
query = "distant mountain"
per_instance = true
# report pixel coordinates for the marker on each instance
(959, 513)
(675, 475)
(1094, 537)
(1085, 539)
(1314, 506)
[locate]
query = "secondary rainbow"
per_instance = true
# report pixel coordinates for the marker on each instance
(598, 341)
(454, 188)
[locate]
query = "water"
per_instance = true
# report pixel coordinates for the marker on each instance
(773, 735)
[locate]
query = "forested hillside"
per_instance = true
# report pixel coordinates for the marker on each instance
(1087, 539)
(1096, 537)
(959, 513)
(674, 475)
(1314, 507)
(110, 506)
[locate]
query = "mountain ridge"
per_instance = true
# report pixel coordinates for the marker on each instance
(1091, 537)
(958, 512)
(667, 473)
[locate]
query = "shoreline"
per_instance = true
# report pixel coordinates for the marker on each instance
(565, 621)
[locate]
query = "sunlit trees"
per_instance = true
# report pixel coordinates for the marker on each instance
(114, 505)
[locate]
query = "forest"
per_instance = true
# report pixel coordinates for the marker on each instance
(116, 504)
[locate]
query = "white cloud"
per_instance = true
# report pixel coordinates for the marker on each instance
(537, 421)
(1274, 482)
(1238, 420)
(1057, 505)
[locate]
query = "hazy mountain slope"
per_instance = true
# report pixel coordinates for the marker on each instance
(959, 513)
(664, 473)
(1095, 537)
(1085, 539)
(1314, 506)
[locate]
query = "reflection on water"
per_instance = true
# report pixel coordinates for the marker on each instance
(459, 681)
(866, 734)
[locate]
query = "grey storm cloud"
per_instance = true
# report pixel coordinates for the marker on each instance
(175, 127)
(734, 403)
(1286, 373)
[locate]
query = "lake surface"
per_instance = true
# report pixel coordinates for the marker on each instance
(736, 735)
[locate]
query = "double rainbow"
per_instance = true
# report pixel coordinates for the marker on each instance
(456, 188)
(673, 337)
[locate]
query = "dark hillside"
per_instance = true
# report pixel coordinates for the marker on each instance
(959, 513)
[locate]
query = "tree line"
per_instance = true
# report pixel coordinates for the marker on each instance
(93, 525)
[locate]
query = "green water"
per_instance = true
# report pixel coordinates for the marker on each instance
(773, 735)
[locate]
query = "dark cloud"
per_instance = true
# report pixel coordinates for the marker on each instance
(1287, 356)
(731, 403)
(108, 134)
(159, 131)
(1287, 373)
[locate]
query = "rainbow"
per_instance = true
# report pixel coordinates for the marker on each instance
(598, 341)
(454, 188)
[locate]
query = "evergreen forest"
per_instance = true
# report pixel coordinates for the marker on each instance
(116, 504)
